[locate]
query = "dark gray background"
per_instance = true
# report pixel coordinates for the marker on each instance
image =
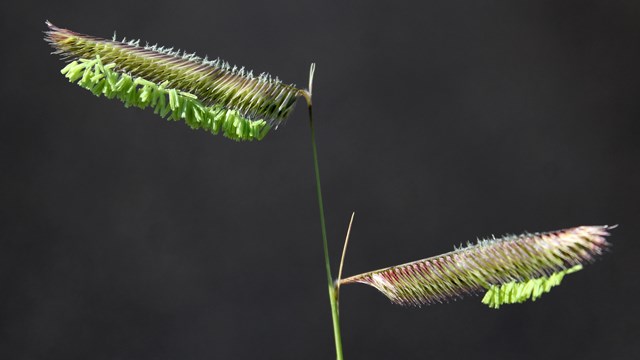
(124, 236)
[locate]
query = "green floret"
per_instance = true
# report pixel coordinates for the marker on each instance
(169, 103)
(519, 292)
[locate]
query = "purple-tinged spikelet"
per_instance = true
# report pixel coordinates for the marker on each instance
(476, 268)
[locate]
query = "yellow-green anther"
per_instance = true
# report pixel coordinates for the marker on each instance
(103, 80)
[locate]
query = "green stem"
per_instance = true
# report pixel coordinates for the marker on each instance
(332, 294)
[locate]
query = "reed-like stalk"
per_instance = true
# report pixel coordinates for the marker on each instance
(333, 298)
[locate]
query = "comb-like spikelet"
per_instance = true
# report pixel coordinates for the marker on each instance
(493, 262)
(214, 84)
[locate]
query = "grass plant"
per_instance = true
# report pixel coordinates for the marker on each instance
(222, 99)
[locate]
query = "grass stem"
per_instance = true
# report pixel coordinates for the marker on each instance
(330, 284)
(332, 293)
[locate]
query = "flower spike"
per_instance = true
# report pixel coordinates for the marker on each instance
(511, 269)
(211, 95)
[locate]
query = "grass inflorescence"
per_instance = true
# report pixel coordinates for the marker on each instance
(211, 95)
(538, 260)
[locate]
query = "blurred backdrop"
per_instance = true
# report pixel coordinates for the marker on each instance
(124, 236)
